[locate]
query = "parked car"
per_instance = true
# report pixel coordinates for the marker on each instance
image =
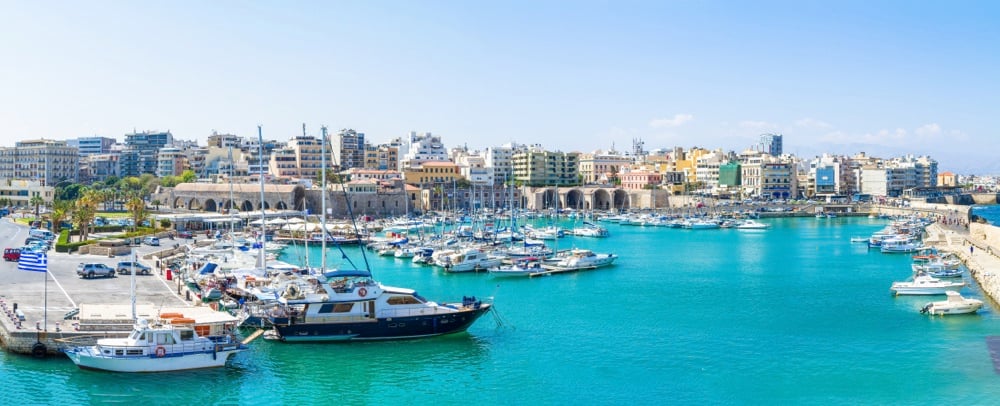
(153, 241)
(125, 268)
(11, 254)
(185, 234)
(90, 270)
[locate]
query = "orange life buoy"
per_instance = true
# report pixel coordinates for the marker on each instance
(161, 352)
(362, 292)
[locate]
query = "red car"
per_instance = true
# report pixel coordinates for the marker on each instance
(11, 254)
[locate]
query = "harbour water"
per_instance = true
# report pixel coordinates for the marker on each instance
(793, 314)
(991, 213)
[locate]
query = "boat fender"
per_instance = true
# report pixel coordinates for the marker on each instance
(161, 352)
(362, 292)
(39, 350)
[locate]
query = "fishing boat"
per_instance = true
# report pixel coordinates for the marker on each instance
(923, 284)
(350, 306)
(955, 304)
(173, 344)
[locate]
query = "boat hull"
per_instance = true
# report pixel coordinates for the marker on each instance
(89, 358)
(382, 328)
(925, 290)
(966, 308)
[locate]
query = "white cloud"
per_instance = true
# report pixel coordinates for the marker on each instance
(931, 129)
(812, 123)
(677, 120)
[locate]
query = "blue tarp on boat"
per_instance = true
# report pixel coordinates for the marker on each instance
(208, 268)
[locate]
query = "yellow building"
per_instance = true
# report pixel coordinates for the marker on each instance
(432, 172)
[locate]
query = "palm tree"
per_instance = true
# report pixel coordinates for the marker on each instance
(137, 207)
(36, 201)
(60, 211)
(85, 210)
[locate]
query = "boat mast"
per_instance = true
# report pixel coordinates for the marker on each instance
(232, 201)
(260, 171)
(323, 196)
(305, 225)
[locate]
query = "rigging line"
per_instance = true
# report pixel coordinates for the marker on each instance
(354, 222)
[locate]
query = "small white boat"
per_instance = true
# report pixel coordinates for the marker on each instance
(923, 284)
(859, 239)
(578, 259)
(521, 267)
(752, 225)
(164, 346)
(956, 304)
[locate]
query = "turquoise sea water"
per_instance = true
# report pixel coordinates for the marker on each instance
(794, 314)
(991, 213)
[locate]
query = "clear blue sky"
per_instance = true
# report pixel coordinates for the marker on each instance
(884, 77)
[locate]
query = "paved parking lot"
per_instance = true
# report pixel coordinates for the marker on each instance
(63, 290)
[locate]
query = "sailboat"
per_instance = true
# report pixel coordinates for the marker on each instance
(349, 304)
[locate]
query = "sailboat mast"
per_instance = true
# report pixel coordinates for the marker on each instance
(323, 197)
(260, 172)
(232, 201)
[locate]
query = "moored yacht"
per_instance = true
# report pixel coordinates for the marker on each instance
(350, 305)
(955, 304)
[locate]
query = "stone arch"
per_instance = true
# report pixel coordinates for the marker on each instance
(574, 199)
(178, 203)
(193, 204)
(210, 205)
(281, 206)
(265, 204)
(621, 200)
(602, 199)
(246, 206)
(549, 198)
(227, 205)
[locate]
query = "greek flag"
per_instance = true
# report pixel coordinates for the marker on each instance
(33, 261)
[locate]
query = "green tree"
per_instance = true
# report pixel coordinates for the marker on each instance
(60, 211)
(137, 209)
(36, 201)
(188, 176)
(332, 177)
(84, 211)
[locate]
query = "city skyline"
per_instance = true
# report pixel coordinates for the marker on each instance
(885, 78)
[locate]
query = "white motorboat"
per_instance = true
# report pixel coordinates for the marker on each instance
(468, 260)
(521, 267)
(752, 224)
(956, 304)
(923, 284)
(167, 345)
(581, 259)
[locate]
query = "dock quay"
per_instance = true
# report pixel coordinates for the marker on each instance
(58, 307)
(976, 244)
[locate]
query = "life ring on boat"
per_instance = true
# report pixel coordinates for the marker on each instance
(362, 292)
(161, 352)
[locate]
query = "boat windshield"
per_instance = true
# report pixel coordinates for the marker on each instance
(420, 298)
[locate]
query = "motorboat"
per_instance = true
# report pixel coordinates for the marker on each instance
(469, 260)
(937, 270)
(923, 284)
(751, 224)
(520, 267)
(351, 306)
(955, 304)
(169, 344)
(581, 259)
(859, 239)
